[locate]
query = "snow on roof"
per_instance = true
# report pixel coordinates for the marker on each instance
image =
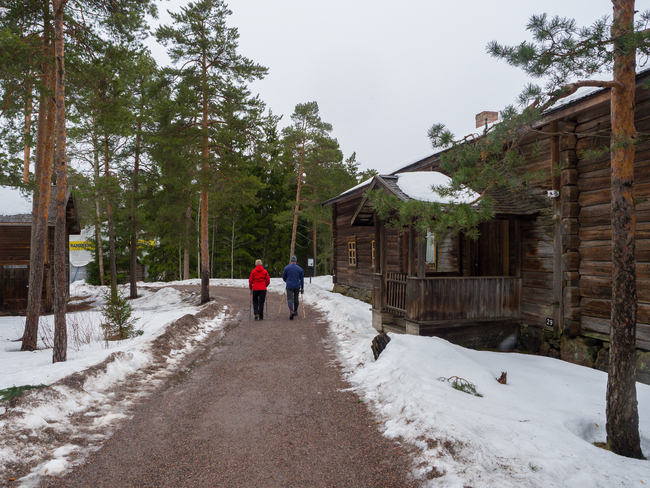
(360, 185)
(13, 202)
(407, 162)
(581, 93)
(417, 185)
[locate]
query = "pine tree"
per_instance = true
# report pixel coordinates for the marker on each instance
(207, 50)
(308, 147)
(117, 19)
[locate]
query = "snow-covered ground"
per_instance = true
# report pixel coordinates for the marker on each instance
(537, 430)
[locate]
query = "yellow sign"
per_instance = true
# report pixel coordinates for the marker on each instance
(90, 245)
(81, 245)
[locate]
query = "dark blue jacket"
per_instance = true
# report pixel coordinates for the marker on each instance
(294, 276)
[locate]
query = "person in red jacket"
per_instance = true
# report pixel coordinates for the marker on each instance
(257, 282)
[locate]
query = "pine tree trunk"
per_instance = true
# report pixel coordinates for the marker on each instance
(205, 252)
(99, 250)
(98, 245)
(186, 252)
(622, 410)
(41, 198)
(27, 131)
(111, 228)
(198, 240)
(205, 272)
(315, 248)
(232, 248)
(111, 251)
(133, 246)
(296, 210)
(60, 349)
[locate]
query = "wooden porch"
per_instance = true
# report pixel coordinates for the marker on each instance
(421, 305)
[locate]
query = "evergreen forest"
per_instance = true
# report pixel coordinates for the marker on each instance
(179, 168)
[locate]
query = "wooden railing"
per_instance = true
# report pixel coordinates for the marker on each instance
(467, 298)
(396, 293)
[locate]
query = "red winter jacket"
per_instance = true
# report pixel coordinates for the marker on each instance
(259, 279)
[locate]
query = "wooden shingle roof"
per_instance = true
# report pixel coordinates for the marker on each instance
(72, 218)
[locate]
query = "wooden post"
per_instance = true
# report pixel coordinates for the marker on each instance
(411, 251)
(506, 247)
(335, 234)
(422, 255)
(377, 280)
(383, 264)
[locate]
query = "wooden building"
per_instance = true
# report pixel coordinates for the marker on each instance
(15, 244)
(545, 263)
(428, 286)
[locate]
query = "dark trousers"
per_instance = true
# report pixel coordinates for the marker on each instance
(292, 299)
(258, 302)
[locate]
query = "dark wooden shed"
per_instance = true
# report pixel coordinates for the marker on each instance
(15, 245)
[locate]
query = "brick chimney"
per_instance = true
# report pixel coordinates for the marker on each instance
(486, 118)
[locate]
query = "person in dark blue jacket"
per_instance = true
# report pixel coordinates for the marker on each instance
(294, 277)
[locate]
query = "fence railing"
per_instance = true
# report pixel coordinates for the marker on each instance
(396, 293)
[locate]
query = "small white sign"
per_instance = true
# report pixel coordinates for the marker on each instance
(310, 262)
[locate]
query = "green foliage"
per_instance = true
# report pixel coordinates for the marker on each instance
(14, 391)
(561, 52)
(431, 216)
(118, 323)
(121, 106)
(462, 384)
(318, 171)
(481, 163)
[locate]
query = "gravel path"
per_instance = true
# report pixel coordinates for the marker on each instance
(261, 404)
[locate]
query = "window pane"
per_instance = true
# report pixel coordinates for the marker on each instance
(431, 248)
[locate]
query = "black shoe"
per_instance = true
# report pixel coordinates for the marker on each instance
(291, 316)
(261, 318)
(257, 317)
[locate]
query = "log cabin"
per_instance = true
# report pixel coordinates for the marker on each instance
(15, 244)
(544, 261)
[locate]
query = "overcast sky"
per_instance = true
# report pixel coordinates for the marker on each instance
(383, 71)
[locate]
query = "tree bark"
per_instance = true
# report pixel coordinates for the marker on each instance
(622, 408)
(27, 130)
(315, 237)
(205, 252)
(186, 251)
(232, 247)
(111, 227)
(41, 198)
(99, 250)
(60, 349)
(296, 210)
(133, 246)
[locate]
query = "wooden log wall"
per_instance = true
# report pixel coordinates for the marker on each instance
(15, 244)
(396, 246)
(570, 229)
(448, 251)
(594, 232)
(537, 247)
(536, 272)
(361, 275)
